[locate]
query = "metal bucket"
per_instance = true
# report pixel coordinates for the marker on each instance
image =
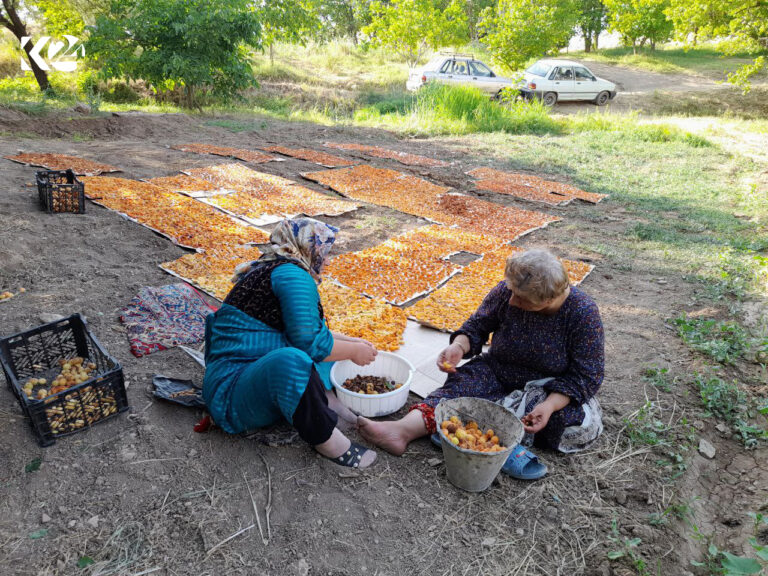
(467, 469)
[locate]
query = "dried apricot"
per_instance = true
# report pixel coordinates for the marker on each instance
(470, 437)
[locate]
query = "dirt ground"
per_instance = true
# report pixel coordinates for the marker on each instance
(144, 494)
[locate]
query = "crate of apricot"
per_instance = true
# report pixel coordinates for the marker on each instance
(60, 191)
(63, 378)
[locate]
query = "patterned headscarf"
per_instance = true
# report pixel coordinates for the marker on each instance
(304, 240)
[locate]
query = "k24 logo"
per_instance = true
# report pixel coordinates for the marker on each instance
(61, 56)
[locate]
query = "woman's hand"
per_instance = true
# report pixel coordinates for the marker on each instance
(363, 354)
(365, 342)
(449, 358)
(344, 338)
(537, 418)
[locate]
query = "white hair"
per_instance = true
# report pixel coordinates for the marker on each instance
(536, 275)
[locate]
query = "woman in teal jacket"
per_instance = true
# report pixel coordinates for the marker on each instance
(269, 351)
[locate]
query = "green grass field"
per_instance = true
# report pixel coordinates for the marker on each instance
(704, 186)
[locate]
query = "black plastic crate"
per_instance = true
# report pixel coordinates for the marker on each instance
(60, 191)
(36, 354)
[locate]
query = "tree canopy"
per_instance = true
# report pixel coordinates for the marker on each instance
(342, 18)
(591, 21)
(189, 44)
(410, 27)
(517, 30)
(744, 24)
(640, 21)
(205, 46)
(291, 21)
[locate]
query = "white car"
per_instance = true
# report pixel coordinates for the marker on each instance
(458, 69)
(560, 80)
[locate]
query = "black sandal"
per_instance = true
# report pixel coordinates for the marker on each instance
(352, 457)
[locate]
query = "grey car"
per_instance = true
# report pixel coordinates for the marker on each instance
(458, 69)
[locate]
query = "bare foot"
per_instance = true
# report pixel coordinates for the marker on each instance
(386, 435)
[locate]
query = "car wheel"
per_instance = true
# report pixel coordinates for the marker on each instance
(602, 98)
(549, 99)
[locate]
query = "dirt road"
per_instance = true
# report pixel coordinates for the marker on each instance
(635, 86)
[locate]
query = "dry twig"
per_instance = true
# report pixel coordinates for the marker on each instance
(227, 539)
(255, 510)
(268, 508)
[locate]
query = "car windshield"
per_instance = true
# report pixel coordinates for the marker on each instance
(539, 69)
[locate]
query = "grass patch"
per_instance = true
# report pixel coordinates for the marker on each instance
(679, 199)
(645, 427)
(726, 401)
(279, 72)
(442, 109)
(439, 109)
(630, 126)
(724, 342)
(333, 65)
(669, 439)
(707, 59)
(677, 510)
(626, 549)
(728, 102)
(20, 134)
(659, 378)
(737, 272)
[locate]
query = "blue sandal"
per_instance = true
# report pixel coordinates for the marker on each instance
(521, 463)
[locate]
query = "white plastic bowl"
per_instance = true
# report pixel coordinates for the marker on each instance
(388, 365)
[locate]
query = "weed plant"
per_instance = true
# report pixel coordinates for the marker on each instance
(723, 341)
(726, 401)
(659, 377)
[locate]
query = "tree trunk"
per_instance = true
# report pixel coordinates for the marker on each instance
(597, 35)
(587, 42)
(40, 75)
(17, 27)
(352, 28)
